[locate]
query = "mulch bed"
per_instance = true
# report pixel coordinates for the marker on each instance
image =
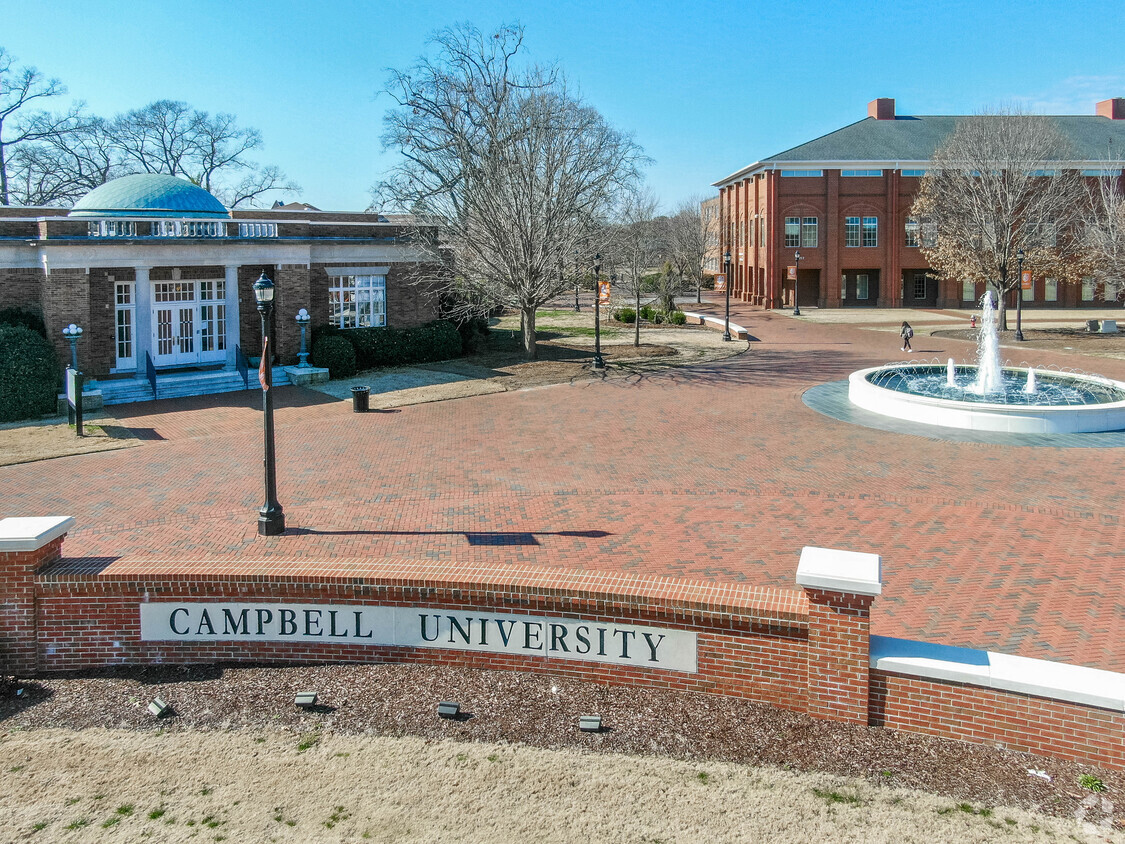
(543, 711)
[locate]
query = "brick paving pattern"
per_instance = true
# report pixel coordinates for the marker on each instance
(716, 473)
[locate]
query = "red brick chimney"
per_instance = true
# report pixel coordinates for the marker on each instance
(884, 108)
(1113, 109)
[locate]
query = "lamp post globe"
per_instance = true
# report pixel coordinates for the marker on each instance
(271, 518)
(1019, 296)
(796, 281)
(726, 290)
(303, 319)
(599, 363)
(72, 332)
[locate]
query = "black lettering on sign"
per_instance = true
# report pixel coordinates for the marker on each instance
(461, 631)
(205, 618)
(558, 638)
(310, 621)
(172, 622)
(437, 630)
(504, 634)
(625, 634)
(527, 625)
(230, 626)
(288, 622)
(359, 627)
(264, 617)
(652, 647)
(332, 625)
(583, 646)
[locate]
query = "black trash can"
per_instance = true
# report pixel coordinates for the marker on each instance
(360, 396)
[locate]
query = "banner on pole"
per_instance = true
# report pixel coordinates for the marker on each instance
(791, 273)
(721, 282)
(1025, 280)
(603, 292)
(262, 378)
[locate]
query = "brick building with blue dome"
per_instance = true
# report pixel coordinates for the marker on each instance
(158, 272)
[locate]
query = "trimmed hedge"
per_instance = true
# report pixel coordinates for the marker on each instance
(677, 318)
(26, 318)
(375, 347)
(29, 374)
(627, 315)
(336, 355)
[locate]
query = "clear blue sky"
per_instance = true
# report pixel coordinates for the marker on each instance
(706, 87)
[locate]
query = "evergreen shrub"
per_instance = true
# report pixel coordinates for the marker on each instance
(29, 374)
(627, 315)
(26, 318)
(335, 354)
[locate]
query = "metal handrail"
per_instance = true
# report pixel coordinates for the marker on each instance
(150, 371)
(243, 366)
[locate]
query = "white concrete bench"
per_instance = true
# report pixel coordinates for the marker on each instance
(1108, 326)
(718, 322)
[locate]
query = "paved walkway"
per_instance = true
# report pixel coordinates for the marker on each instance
(718, 472)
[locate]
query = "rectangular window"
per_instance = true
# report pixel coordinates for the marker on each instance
(798, 174)
(968, 291)
(861, 286)
(357, 301)
(1101, 172)
(914, 173)
(762, 231)
(1051, 290)
(913, 232)
(870, 231)
(919, 285)
(1111, 291)
(1087, 289)
(854, 173)
(843, 288)
(809, 233)
(126, 307)
(792, 232)
(213, 315)
(851, 231)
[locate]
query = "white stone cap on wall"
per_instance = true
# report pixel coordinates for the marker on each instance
(840, 571)
(1038, 677)
(30, 533)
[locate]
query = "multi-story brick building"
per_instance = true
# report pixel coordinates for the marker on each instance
(155, 269)
(843, 201)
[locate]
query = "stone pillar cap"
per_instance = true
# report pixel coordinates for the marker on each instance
(840, 571)
(30, 533)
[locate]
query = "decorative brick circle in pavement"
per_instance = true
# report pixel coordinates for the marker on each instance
(714, 473)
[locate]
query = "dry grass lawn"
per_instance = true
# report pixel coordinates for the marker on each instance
(23, 442)
(246, 786)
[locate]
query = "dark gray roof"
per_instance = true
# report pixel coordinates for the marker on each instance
(909, 138)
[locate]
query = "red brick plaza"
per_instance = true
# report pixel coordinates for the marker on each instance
(718, 474)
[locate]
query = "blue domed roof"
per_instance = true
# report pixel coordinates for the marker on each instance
(149, 195)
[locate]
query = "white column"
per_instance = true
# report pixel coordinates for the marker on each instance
(234, 333)
(142, 289)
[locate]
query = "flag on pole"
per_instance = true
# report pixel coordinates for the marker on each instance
(262, 366)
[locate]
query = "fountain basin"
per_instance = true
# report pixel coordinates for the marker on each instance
(1102, 407)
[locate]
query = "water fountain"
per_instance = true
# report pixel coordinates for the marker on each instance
(988, 396)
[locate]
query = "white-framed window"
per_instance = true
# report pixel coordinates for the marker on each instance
(1087, 289)
(257, 229)
(1111, 291)
(1051, 290)
(213, 315)
(851, 231)
(917, 174)
(188, 228)
(968, 290)
(792, 232)
(870, 231)
(913, 232)
(919, 285)
(860, 173)
(762, 230)
(125, 320)
(809, 235)
(111, 228)
(357, 301)
(862, 285)
(801, 174)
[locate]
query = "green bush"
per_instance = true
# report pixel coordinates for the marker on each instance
(375, 347)
(647, 313)
(20, 316)
(627, 315)
(658, 317)
(473, 331)
(29, 374)
(677, 318)
(336, 354)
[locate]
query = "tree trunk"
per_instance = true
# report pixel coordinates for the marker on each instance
(637, 322)
(1002, 309)
(3, 177)
(699, 288)
(527, 323)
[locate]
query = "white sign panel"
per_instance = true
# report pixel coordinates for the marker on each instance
(422, 627)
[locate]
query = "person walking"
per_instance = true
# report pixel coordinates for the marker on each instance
(906, 332)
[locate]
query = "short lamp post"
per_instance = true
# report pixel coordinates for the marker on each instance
(796, 281)
(1019, 296)
(576, 306)
(599, 363)
(726, 290)
(303, 320)
(72, 332)
(271, 519)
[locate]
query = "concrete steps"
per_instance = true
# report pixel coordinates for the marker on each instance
(173, 385)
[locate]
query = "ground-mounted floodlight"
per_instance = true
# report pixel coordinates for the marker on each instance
(305, 699)
(590, 723)
(159, 707)
(449, 709)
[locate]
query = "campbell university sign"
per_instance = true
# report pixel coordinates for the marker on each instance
(422, 627)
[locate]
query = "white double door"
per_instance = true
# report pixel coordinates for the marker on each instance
(188, 322)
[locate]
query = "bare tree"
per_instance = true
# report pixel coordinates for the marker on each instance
(18, 89)
(994, 187)
(689, 235)
(1103, 239)
(633, 245)
(508, 165)
(66, 164)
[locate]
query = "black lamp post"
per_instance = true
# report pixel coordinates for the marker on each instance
(1019, 296)
(796, 281)
(576, 306)
(271, 520)
(598, 362)
(726, 289)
